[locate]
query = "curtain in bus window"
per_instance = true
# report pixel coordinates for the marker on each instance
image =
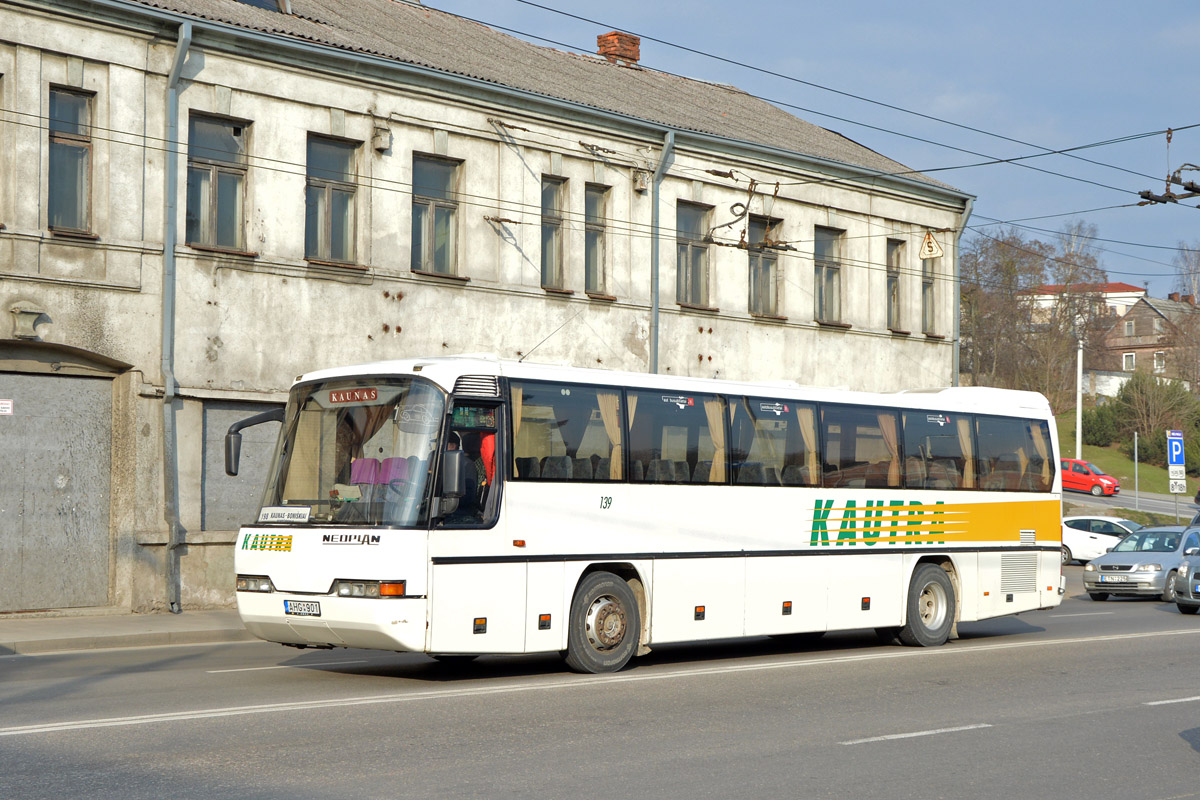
(714, 409)
(808, 432)
(303, 476)
(887, 428)
(1039, 432)
(610, 413)
(517, 394)
(964, 443)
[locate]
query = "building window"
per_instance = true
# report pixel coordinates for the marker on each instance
(928, 306)
(216, 183)
(553, 190)
(435, 209)
(1128, 361)
(827, 247)
(764, 266)
(1158, 325)
(1129, 327)
(69, 205)
(691, 226)
(329, 200)
(895, 254)
(595, 218)
(1160, 361)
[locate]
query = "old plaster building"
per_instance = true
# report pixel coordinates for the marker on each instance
(1159, 336)
(201, 199)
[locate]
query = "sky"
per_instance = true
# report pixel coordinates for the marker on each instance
(982, 82)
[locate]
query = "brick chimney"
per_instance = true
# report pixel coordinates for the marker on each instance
(1173, 296)
(620, 48)
(1190, 299)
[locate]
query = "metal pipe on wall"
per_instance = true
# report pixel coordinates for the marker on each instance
(659, 173)
(170, 236)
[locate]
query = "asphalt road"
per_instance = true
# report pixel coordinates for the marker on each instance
(1087, 700)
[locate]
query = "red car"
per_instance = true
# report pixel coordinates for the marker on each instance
(1083, 476)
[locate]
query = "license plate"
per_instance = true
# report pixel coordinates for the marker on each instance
(1196, 589)
(1114, 579)
(302, 608)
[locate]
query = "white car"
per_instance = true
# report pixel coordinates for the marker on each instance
(1085, 538)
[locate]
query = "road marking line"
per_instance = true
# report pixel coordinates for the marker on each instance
(286, 666)
(918, 733)
(1169, 702)
(566, 683)
(1087, 614)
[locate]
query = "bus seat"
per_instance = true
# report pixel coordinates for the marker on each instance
(793, 475)
(556, 468)
(703, 472)
(364, 471)
(683, 473)
(601, 471)
(393, 469)
(751, 472)
(528, 468)
(661, 471)
(771, 476)
(637, 472)
(581, 469)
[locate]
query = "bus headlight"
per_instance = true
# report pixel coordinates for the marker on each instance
(254, 583)
(369, 588)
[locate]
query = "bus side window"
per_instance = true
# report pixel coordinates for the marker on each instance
(676, 437)
(566, 432)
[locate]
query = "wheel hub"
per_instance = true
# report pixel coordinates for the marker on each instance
(605, 623)
(932, 605)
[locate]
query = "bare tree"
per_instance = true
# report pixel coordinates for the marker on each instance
(1187, 269)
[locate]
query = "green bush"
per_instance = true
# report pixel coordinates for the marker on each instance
(1099, 426)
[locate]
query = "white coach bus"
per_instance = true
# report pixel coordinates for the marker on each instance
(468, 505)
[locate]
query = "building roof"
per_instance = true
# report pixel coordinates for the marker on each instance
(1172, 310)
(408, 32)
(1097, 288)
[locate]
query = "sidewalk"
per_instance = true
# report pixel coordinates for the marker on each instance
(29, 635)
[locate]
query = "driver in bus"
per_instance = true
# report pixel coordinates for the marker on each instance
(468, 505)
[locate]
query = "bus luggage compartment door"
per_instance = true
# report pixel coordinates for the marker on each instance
(477, 608)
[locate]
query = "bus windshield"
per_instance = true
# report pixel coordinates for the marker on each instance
(356, 452)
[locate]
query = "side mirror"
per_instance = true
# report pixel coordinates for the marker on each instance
(233, 452)
(1192, 551)
(233, 439)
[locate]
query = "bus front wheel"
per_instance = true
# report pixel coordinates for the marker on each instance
(605, 624)
(930, 608)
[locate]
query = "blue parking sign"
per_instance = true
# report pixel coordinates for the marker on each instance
(1175, 448)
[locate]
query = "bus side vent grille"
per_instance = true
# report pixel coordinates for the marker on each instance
(477, 386)
(1018, 572)
(1028, 537)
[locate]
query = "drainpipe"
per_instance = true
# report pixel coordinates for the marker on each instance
(170, 235)
(663, 163)
(962, 228)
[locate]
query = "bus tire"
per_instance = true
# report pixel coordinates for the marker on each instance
(930, 608)
(605, 624)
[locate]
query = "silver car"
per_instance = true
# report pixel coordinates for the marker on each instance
(1143, 564)
(1187, 580)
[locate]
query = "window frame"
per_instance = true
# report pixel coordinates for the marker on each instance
(692, 285)
(216, 167)
(428, 261)
(928, 295)
(895, 257)
(827, 275)
(1128, 362)
(763, 266)
(81, 142)
(595, 244)
(1160, 361)
(553, 248)
(327, 186)
(1130, 328)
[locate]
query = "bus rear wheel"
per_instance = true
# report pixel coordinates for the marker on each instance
(930, 608)
(605, 624)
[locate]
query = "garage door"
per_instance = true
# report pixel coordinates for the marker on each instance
(54, 495)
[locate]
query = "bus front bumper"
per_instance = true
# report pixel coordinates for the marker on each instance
(326, 620)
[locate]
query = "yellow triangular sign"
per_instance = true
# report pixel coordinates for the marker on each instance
(930, 247)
